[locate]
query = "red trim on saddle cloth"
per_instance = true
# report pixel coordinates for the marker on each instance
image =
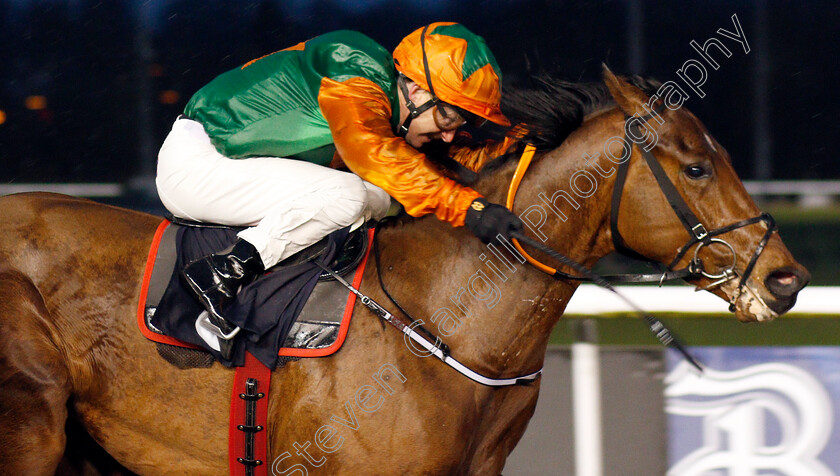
(288, 352)
(144, 292)
(253, 368)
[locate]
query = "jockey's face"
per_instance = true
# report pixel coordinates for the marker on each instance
(437, 123)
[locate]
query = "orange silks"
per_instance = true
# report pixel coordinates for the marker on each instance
(359, 113)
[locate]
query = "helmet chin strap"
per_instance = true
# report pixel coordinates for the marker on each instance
(413, 111)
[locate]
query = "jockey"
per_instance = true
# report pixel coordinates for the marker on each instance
(259, 146)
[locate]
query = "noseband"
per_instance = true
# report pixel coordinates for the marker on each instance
(699, 234)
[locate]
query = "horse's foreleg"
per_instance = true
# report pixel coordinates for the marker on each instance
(503, 430)
(34, 382)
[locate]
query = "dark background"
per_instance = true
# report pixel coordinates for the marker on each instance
(114, 74)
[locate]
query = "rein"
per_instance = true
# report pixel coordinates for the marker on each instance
(663, 334)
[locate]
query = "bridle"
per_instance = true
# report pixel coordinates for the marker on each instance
(697, 231)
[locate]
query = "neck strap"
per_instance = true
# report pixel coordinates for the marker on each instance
(521, 168)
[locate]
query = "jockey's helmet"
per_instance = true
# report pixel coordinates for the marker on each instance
(456, 66)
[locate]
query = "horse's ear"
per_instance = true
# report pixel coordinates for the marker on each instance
(629, 98)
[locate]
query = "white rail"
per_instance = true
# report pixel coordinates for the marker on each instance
(592, 300)
(809, 193)
(793, 187)
(77, 189)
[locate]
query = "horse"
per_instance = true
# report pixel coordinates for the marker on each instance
(70, 275)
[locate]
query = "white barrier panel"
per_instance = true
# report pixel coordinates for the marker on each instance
(756, 410)
(593, 300)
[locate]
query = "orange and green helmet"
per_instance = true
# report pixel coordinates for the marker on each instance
(456, 66)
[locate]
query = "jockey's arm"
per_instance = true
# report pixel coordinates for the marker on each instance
(475, 156)
(358, 113)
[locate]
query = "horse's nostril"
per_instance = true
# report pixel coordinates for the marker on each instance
(784, 278)
(785, 282)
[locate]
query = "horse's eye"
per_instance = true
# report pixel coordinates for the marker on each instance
(696, 171)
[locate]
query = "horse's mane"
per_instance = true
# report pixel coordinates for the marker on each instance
(549, 109)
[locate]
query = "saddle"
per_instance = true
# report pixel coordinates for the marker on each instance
(294, 310)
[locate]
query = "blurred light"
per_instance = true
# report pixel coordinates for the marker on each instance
(2, 116)
(35, 103)
(169, 96)
(156, 70)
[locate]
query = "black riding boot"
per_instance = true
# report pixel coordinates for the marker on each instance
(216, 279)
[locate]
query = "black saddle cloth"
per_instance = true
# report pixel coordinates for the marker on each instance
(264, 310)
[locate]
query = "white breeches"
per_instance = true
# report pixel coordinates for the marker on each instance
(288, 204)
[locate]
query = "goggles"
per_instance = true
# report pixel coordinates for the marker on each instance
(448, 117)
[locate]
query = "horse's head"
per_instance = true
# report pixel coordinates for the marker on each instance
(743, 260)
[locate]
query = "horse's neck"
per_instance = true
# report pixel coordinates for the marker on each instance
(576, 223)
(494, 312)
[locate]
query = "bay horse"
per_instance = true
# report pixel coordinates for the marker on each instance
(70, 272)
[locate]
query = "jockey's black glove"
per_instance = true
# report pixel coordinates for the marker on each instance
(486, 220)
